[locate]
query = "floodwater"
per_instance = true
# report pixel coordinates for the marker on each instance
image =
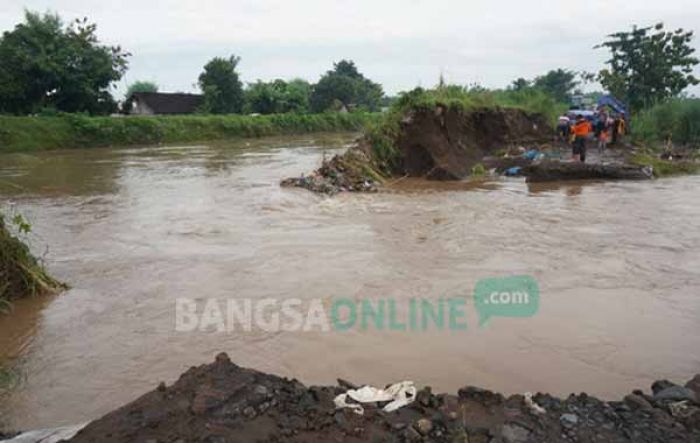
(134, 229)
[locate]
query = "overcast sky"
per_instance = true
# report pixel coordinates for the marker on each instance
(398, 43)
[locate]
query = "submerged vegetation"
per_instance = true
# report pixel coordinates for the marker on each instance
(21, 274)
(75, 131)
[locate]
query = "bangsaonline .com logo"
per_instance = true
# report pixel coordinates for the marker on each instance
(513, 296)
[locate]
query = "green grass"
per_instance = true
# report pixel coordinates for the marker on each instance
(466, 99)
(665, 168)
(80, 131)
(677, 120)
(7, 378)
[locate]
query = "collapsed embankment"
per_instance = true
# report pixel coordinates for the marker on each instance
(223, 402)
(21, 274)
(445, 144)
(439, 143)
(453, 143)
(80, 131)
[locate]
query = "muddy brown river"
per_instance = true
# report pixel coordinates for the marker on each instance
(131, 230)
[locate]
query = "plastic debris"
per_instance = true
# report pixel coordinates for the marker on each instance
(532, 154)
(681, 409)
(515, 170)
(398, 394)
(47, 435)
(534, 407)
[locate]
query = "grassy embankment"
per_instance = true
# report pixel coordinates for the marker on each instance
(384, 132)
(676, 123)
(80, 131)
(21, 274)
(665, 168)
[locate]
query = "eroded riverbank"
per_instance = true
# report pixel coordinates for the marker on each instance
(133, 229)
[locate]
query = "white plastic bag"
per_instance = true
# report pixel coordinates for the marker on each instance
(398, 394)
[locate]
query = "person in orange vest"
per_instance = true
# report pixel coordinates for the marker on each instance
(581, 130)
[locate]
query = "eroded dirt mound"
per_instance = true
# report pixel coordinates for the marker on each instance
(222, 402)
(445, 144)
(440, 144)
(352, 171)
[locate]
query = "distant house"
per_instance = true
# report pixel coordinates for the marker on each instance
(159, 103)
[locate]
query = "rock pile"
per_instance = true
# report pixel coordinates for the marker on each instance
(223, 402)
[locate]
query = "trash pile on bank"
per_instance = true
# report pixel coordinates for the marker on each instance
(223, 402)
(351, 171)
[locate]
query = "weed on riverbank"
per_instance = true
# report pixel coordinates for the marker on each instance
(81, 131)
(666, 168)
(677, 121)
(21, 274)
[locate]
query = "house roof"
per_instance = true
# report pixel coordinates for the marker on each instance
(169, 103)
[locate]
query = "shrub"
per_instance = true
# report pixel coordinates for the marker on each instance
(677, 120)
(21, 274)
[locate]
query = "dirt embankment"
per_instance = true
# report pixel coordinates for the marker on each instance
(452, 144)
(439, 144)
(222, 402)
(446, 144)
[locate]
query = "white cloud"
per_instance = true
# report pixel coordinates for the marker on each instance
(400, 43)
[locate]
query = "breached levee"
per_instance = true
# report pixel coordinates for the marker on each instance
(447, 143)
(439, 143)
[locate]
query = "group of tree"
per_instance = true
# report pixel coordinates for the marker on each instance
(343, 87)
(648, 65)
(45, 64)
(278, 97)
(561, 84)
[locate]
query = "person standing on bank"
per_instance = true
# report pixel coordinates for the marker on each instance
(581, 130)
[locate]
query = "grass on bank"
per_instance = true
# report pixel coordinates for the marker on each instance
(676, 120)
(674, 123)
(81, 131)
(21, 274)
(665, 168)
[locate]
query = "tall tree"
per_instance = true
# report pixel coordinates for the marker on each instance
(298, 96)
(344, 84)
(141, 86)
(265, 98)
(278, 96)
(46, 64)
(520, 84)
(648, 65)
(559, 83)
(222, 87)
